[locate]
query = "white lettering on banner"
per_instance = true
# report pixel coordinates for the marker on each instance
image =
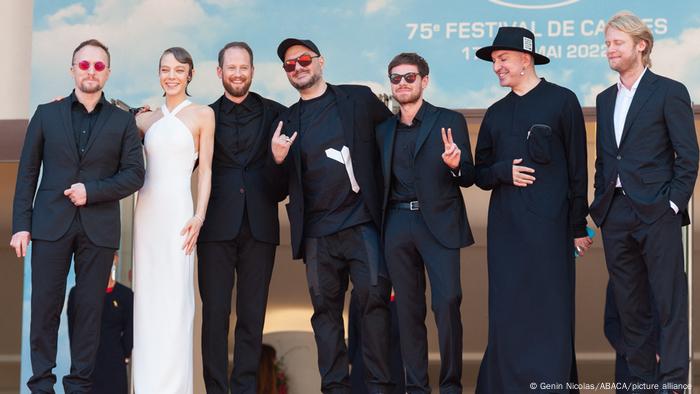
(518, 4)
(590, 31)
(343, 157)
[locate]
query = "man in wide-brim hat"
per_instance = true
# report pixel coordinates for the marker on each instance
(531, 153)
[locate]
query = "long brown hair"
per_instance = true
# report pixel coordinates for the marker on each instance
(267, 374)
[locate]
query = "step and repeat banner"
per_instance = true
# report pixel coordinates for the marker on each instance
(357, 38)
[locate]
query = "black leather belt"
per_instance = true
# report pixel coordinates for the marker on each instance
(619, 192)
(411, 206)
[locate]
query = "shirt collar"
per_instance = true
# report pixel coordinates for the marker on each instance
(416, 119)
(74, 100)
(620, 86)
(248, 104)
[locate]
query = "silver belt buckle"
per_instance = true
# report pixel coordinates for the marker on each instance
(414, 206)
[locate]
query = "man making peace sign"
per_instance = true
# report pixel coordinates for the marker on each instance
(425, 158)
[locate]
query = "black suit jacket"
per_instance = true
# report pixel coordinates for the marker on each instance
(360, 111)
(111, 168)
(253, 185)
(438, 192)
(657, 159)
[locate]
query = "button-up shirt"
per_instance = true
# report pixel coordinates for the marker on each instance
(83, 121)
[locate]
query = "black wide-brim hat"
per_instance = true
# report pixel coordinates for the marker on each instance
(512, 38)
(290, 42)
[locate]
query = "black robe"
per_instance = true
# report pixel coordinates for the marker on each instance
(530, 237)
(116, 341)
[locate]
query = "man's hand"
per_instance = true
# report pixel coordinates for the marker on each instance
(20, 241)
(77, 194)
(582, 244)
(521, 175)
(281, 144)
(452, 153)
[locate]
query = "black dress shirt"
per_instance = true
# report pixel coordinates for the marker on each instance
(402, 174)
(238, 125)
(83, 121)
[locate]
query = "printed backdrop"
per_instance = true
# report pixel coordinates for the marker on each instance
(357, 38)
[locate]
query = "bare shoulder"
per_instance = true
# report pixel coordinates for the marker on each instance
(203, 111)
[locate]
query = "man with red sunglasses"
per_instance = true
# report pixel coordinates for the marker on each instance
(334, 213)
(90, 156)
(425, 158)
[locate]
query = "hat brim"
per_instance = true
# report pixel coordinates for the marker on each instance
(485, 53)
(290, 42)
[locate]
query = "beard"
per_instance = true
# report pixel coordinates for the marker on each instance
(305, 85)
(94, 88)
(408, 99)
(236, 91)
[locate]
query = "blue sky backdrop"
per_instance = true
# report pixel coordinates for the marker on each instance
(357, 38)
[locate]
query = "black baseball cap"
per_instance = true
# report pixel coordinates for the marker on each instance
(290, 42)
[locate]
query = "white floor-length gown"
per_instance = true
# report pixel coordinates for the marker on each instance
(163, 274)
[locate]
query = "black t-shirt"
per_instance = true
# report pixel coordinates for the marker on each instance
(330, 204)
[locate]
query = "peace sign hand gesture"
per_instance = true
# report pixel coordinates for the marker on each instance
(281, 144)
(452, 153)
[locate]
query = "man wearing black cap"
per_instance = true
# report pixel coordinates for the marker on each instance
(334, 213)
(531, 154)
(230, 243)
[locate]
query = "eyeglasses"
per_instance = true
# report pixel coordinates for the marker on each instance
(409, 77)
(290, 65)
(85, 65)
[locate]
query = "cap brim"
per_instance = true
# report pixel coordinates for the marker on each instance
(485, 54)
(290, 42)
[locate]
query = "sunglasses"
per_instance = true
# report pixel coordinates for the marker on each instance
(290, 65)
(85, 65)
(409, 77)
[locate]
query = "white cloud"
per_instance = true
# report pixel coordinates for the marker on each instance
(67, 14)
(135, 31)
(678, 58)
(372, 6)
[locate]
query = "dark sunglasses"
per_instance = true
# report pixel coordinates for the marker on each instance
(409, 77)
(85, 65)
(290, 65)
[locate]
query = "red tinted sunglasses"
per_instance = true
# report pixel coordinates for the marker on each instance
(290, 65)
(85, 65)
(409, 77)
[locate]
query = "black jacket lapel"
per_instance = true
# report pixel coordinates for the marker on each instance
(68, 127)
(102, 118)
(346, 110)
(387, 131)
(429, 118)
(646, 87)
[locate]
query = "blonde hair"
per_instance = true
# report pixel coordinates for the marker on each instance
(630, 23)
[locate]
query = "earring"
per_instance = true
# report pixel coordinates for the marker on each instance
(522, 72)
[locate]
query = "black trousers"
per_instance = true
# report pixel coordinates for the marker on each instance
(51, 262)
(411, 249)
(645, 262)
(354, 254)
(218, 265)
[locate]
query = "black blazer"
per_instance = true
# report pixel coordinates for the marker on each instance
(360, 111)
(438, 192)
(253, 185)
(657, 160)
(111, 168)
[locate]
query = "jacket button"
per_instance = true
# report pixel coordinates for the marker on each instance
(619, 157)
(242, 190)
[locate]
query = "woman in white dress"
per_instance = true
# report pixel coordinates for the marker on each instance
(166, 230)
